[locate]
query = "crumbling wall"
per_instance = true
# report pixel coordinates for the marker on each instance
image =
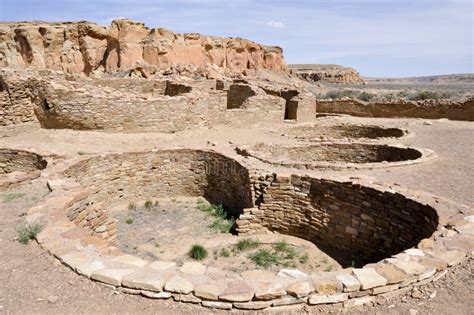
(15, 102)
(431, 109)
(163, 174)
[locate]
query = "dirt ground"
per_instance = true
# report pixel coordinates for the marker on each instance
(167, 231)
(31, 281)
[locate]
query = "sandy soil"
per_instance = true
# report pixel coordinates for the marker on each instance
(33, 282)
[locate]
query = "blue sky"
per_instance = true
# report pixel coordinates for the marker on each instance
(377, 37)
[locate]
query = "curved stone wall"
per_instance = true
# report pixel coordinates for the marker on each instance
(318, 133)
(20, 161)
(162, 174)
(358, 224)
(336, 155)
(355, 216)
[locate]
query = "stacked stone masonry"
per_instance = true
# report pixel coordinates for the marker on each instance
(416, 235)
(430, 109)
(336, 155)
(125, 104)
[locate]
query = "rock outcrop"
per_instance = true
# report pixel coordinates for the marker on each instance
(327, 73)
(127, 45)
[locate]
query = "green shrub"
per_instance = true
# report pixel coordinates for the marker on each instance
(247, 244)
(366, 97)
(224, 252)
(148, 204)
(304, 258)
(132, 206)
(129, 221)
(281, 246)
(264, 258)
(29, 231)
(197, 252)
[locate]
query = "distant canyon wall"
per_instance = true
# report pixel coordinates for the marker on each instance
(327, 73)
(75, 47)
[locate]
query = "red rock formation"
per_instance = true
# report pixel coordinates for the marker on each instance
(87, 47)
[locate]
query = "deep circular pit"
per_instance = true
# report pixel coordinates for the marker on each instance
(20, 161)
(335, 155)
(351, 223)
(344, 131)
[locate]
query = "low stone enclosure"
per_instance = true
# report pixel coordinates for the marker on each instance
(321, 132)
(428, 109)
(18, 165)
(404, 238)
(336, 155)
(127, 104)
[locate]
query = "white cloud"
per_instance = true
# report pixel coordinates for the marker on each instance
(276, 24)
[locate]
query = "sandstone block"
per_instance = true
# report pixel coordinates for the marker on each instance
(369, 278)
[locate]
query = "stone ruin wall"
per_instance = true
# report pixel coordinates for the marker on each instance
(15, 101)
(340, 216)
(431, 109)
(163, 174)
(127, 104)
(20, 161)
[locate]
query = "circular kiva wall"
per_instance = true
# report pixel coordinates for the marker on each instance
(317, 133)
(353, 223)
(332, 154)
(20, 161)
(162, 174)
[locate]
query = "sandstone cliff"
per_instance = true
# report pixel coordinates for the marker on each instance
(89, 48)
(327, 73)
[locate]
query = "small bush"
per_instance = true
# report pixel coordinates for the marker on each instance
(247, 244)
(148, 204)
(366, 97)
(304, 258)
(129, 221)
(264, 258)
(29, 231)
(281, 246)
(132, 206)
(328, 268)
(197, 252)
(222, 225)
(224, 252)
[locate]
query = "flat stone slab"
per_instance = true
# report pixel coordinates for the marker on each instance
(217, 305)
(392, 274)
(130, 260)
(408, 267)
(144, 279)
(369, 278)
(327, 286)
(237, 291)
(452, 257)
(292, 273)
(162, 265)
(300, 289)
(269, 290)
(253, 305)
(328, 299)
(208, 291)
(193, 268)
(156, 295)
(349, 282)
(111, 276)
(288, 300)
(178, 284)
